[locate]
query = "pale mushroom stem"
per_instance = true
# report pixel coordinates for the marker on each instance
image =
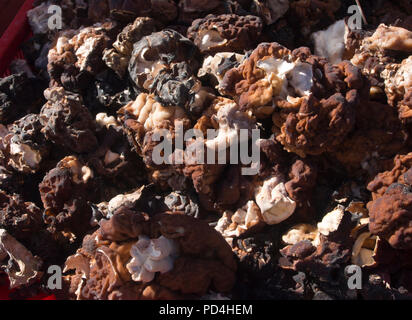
(361, 10)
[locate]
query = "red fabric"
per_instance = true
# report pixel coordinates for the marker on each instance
(5, 291)
(14, 35)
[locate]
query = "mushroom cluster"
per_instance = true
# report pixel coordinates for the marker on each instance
(286, 157)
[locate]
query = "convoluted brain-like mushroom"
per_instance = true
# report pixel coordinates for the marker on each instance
(302, 132)
(174, 256)
(325, 256)
(21, 219)
(227, 117)
(118, 169)
(273, 158)
(391, 38)
(19, 95)
(118, 57)
(178, 86)
(25, 243)
(398, 78)
(146, 114)
(158, 50)
(390, 215)
(258, 272)
(395, 171)
(113, 153)
(214, 67)
(227, 32)
(262, 77)
(223, 115)
(25, 145)
(302, 180)
(380, 58)
(309, 95)
(65, 191)
(77, 55)
(378, 133)
(108, 93)
(67, 121)
(149, 113)
(144, 118)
